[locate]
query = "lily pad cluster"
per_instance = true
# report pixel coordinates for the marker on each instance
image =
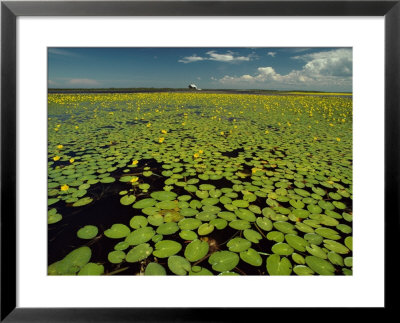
(207, 184)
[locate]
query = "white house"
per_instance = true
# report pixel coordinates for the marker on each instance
(193, 87)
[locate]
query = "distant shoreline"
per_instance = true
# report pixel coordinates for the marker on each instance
(184, 90)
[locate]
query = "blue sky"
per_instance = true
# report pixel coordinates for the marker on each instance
(321, 69)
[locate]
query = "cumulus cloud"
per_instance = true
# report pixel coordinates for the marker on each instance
(271, 54)
(214, 56)
(83, 82)
(329, 68)
(337, 62)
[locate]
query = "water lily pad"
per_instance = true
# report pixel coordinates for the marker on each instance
(155, 269)
(54, 217)
(320, 266)
(178, 265)
(163, 195)
(276, 236)
(228, 216)
(296, 204)
(156, 219)
(302, 270)
(316, 251)
(328, 233)
(240, 203)
(313, 238)
(166, 205)
(335, 246)
(252, 257)
(301, 213)
(252, 236)
(304, 227)
(127, 199)
(166, 248)
(298, 259)
(202, 194)
(199, 271)
(71, 263)
(282, 249)
(87, 232)
(284, 227)
(348, 261)
(189, 224)
(348, 241)
(264, 223)
(296, 242)
(188, 235)
(240, 224)
(145, 203)
(188, 212)
(91, 269)
(116, 256)
(223, 260)
(278, 266)
(344, 228)
(117, 231)
(52, 201)
(205, 228)
(167, 228)
(139, 253)
(238, 244)
(219, 224)
(196, 250)
(122, 245)
(138, 221)
(140, 236)
(82, 202)
(205, 216)
(335, 258)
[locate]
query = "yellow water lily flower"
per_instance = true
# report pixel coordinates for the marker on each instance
(56, 158)
(315, 138)
(148, 125)
(76, 127)
(163, 131)
(196, 155)
(135, 162)
(65, 187)
(338, 139)
(222, 133)
(266, 132)
(200, 151)
(72, 160)
(161, 139)
(134, 179)
(60, 146)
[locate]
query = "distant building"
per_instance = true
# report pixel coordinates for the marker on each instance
(193, 87)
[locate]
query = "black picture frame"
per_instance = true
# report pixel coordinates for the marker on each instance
(10, 10)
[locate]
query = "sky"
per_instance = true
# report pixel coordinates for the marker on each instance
(287, 68)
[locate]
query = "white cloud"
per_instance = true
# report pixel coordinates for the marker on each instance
(329, 69)
(337, 62)
(62, 52)
(83, 82)
(190, 59)
(271, 54)
(214, 56)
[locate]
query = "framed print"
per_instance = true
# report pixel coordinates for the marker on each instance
(180, 141)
